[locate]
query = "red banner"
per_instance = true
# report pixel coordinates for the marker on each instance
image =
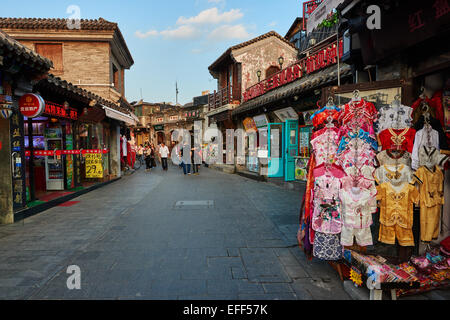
(315, 62)
(49, 153)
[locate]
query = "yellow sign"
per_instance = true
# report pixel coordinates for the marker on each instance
(94, 166)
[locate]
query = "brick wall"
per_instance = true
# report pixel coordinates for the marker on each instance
(260, 56)
(85, 62)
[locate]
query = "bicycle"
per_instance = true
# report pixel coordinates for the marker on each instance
(139, 162)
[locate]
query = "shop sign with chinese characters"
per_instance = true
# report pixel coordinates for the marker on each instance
(94, 165)
(314, 62)
(31, 105)
(18, 156)
(56, 110)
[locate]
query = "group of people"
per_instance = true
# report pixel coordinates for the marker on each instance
(195, 154)
(148, 152)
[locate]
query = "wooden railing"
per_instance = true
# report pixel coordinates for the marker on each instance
(224, 96)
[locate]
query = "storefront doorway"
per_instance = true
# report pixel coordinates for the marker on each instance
(291, 142)
(161, 137)
(276, 150)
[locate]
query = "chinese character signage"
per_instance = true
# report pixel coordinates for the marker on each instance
(315, 62)
(31, 105)
(17, 158)
(56, 110)
(94, 165)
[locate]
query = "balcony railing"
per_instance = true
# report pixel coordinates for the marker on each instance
(224, 96)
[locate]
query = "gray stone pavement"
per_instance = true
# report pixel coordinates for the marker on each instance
(156, 236)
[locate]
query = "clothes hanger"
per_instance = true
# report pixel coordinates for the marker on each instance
(397, 101)
(330, 123)
(356, 97)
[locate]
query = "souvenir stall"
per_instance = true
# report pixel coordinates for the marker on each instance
(374, 195)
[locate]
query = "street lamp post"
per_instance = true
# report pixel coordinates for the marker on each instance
(281, 61)
(258, 73)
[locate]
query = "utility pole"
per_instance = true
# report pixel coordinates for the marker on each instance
(176, 92)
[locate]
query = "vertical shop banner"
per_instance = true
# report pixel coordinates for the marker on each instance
(94, 166)
(69, 162)
(18, 160)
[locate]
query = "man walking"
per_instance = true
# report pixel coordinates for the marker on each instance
(163, 153)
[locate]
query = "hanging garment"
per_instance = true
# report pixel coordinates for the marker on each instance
(363, 171)
(349, 136)
(388, 157)
(319, 132)
(356, 210)
(325, 146)
(124, 146)
(349, 182)
(322, 118)
(396, 174)
(325, 109)
(309, 207)
(424, 137)
(357, 115)
(396, 213)
(326, 216)
(436, 125)
(431, 199)
(357, 153)
(327, 247)
(333, 169)
(397, 117)
(430, 157)
(397, 139)
(435, 104)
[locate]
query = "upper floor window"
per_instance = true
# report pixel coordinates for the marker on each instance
(115, 77)
(52, 51)
(271, 71)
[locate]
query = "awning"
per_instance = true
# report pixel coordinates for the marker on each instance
(134, 117)
(117, 115)
(309, 82)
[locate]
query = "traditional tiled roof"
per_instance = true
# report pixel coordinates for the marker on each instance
(61, 24)
(24, 54)
(51, 23)
(81, 93)
(247, 43)
(304, 84)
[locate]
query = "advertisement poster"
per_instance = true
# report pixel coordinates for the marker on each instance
(94, 166)
(69, 162)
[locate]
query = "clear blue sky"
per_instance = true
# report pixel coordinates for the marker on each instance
(172, 40)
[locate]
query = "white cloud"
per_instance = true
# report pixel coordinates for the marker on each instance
(150, 33)
(227, 32)
(273, 24)
(212, 16)
(182, 32)
(200, 26)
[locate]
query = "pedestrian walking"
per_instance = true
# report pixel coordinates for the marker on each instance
(163, 153)
(148, 163)
(196, 153)
(152, 156)
(186, 166)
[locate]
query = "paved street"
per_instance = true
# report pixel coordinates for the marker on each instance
(167, 236)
